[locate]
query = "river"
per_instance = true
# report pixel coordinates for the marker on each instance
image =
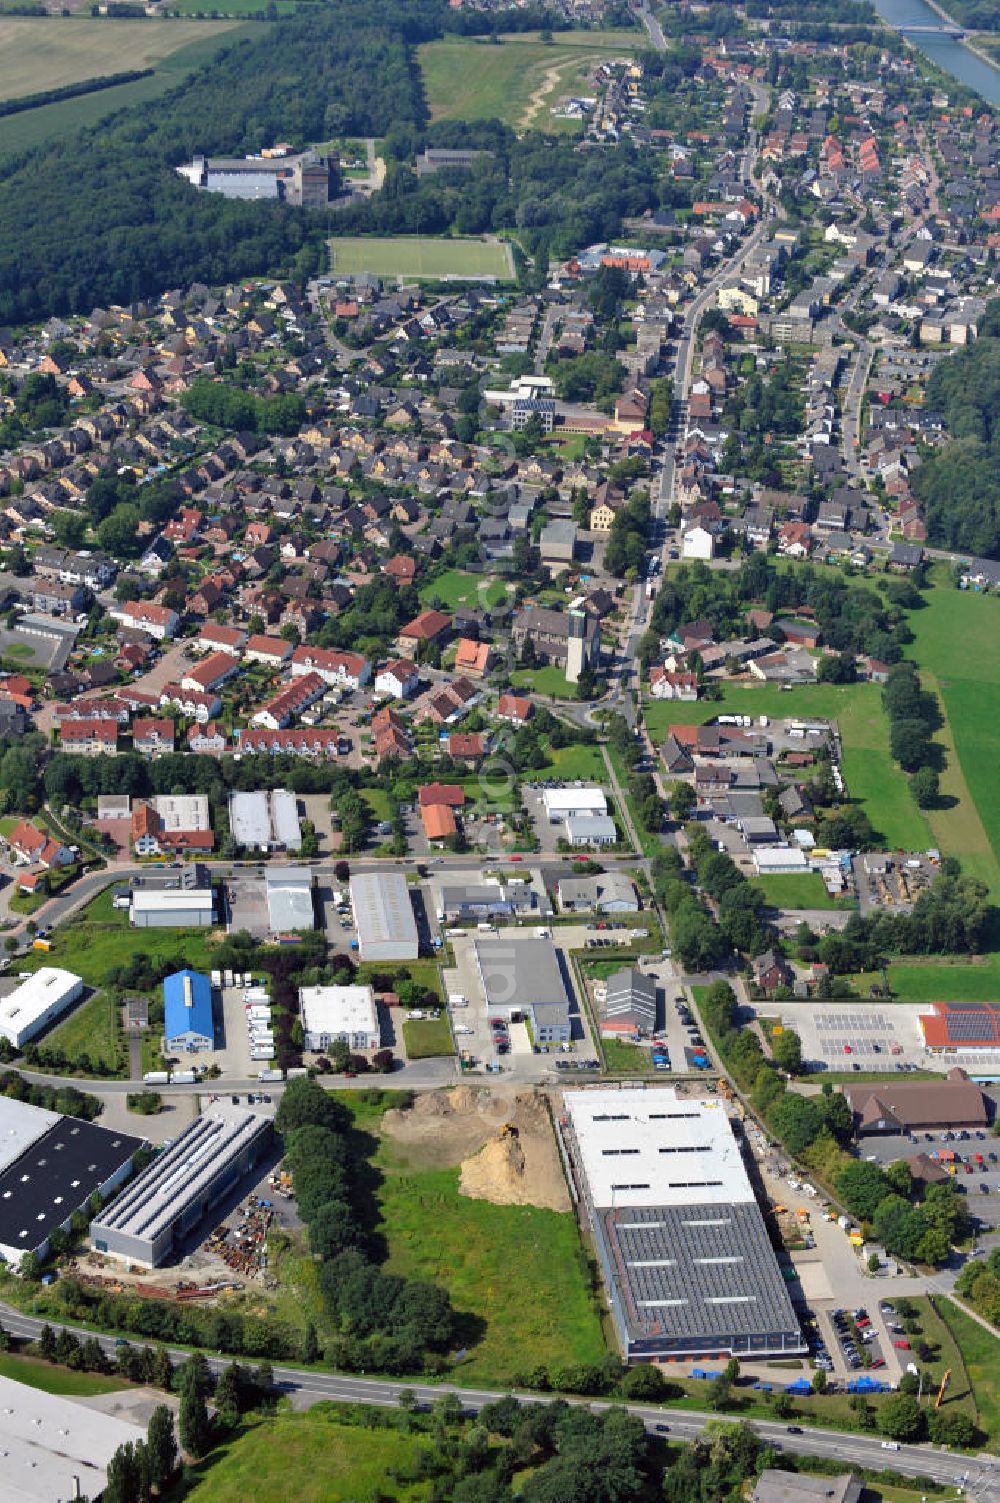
(948, 53)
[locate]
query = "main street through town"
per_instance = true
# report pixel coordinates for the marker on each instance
(979, 1476)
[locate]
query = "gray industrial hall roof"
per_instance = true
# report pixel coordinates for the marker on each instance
(290, 900)
(696, 1272)
(382, 908)
(521, 973)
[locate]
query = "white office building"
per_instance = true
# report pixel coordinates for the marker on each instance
(559, 803)
(345, 1013)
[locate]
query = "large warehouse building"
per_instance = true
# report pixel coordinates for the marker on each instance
(33, 1005)
(50, 1166)
(524, 976)
(55, 1449)
(687, 1263)
(383, 916)
(148, 1222)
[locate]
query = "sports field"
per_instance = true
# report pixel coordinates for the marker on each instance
(421, 256)
(37, 54)
(519, 80)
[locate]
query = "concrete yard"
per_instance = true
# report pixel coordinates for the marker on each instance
(837, 1035)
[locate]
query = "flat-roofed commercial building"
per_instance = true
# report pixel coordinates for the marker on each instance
(524, 976)
(50, 1166)
(561, 802)
(289, 900)
(32, 1005)
(150, 1219)
(345, 1013)
(55, 1449)
(188, 908)
(265, 820)
(383, 916)
(686, 1258)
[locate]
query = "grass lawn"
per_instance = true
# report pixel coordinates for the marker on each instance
(417, 256)
(52, 1379)
(794, 890)
(454, 587)
(572, 762)
(377, 800)
(424, 972)
(99, 937)
(980, 1354)
(313, 1459)
(428, 1038)
(518, 81)
(519, 1270)
(548, 680)
(92, 1029)
(622, 1058)
(870, 773)
(30, 128)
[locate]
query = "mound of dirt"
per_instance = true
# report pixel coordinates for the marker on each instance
(516, 1170)
(465, 1126)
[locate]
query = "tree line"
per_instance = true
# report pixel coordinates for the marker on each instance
(381, 1322)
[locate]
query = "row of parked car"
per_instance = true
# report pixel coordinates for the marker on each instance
(866, 1335)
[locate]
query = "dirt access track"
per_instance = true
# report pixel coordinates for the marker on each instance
(502, 1139)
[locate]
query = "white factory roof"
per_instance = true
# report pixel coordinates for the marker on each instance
(337, 1009)
(289, 898)
(653, 1148)
(48, 1443)
(562, 801)
(382, 909)
(284, 817)
(250, 818)
(20, 1126)
(145, 900)
(183, 811)
(34, 997)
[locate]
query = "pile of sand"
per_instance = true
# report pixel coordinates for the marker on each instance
(465, 1125)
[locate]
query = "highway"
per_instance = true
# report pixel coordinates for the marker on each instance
(311, 1387)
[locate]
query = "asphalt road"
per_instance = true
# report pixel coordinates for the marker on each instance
(307, 1388)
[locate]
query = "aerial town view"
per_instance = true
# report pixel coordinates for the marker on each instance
(499, 751)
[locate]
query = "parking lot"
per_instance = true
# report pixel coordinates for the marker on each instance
(976, 1162)
(845, 1035)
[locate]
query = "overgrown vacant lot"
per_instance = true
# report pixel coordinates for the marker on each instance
(518, 81)
(37, 54)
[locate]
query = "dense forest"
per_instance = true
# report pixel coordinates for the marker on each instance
(959, 484)
(102, 216)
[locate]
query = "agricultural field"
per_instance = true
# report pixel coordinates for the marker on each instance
(31, 128)
(416, 257)
(872, 777)
(50, 53)
(957, 647)
(519, 80)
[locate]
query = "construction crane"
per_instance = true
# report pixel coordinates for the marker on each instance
(944, 1384)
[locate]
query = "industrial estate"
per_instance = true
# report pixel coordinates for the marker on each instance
(499, 844)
